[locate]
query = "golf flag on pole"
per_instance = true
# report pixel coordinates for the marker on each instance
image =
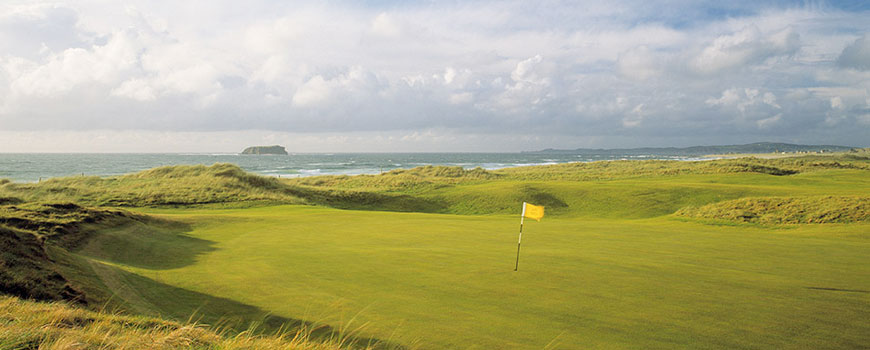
(530, 211)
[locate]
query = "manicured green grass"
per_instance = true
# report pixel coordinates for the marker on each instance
(448, 282)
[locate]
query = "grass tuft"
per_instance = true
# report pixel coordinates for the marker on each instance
(34, 325)
(786, 210)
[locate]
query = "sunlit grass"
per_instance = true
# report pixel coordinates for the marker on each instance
(50, 326)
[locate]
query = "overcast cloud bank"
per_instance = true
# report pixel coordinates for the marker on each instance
(478, 76)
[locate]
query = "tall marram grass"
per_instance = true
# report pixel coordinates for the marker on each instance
(50, 326)
(399, 180)
(607, 170)
(168, 185)
(785, 210)
(433, 177)
(418, 189)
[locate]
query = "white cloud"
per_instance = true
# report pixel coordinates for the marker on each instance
(767, 123)
(449, 74)
(137, 89)
(639, 63)
(743, 99)
(526, 72)
(461, 98)
(729, 97)
(770, 99)
(836, 102)
(747, 46)
(314, 91)
(385, 25)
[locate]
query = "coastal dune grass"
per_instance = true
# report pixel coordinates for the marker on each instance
(786, 210)
(667, 185)
(627, 189)
(169, 185)
(57, 326)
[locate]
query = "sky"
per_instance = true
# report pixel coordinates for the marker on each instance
(430, 76)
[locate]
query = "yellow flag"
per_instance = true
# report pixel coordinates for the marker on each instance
(533, 211)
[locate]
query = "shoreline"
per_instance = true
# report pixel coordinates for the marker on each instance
(350, 167)
(774, 155)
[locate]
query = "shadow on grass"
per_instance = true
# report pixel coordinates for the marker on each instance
(157, 244)
(840, 290)
(149, 243)
(362, 200)
(149, 296)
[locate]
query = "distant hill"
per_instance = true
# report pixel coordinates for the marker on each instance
(265, 150)
(758, 147)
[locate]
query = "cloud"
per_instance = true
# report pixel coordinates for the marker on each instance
(729, 97)
(743, 99)
(836, 102)
(747, 46)
(770, 99)
(856, 55)
(137, 89)
(626, 71)
(461, 98)
(635, 118)
(767, 123)
(32, 29)
(384, 25)
(639, 63)
(449, 74)
(526, 73)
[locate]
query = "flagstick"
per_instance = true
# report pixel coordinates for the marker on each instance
(520, 239)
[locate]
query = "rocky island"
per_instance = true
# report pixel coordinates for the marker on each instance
(265, 150)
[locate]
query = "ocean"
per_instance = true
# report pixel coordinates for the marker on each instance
(31, 167)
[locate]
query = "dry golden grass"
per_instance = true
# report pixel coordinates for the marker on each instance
(168, 185)
(56, 326)
(785, 210)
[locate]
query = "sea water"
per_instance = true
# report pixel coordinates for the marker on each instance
(31, 167)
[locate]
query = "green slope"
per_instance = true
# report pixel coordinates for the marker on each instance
(448, 282)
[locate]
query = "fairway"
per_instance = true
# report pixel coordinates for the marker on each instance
(447, 281)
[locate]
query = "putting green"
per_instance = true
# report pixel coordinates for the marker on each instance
(447, 281)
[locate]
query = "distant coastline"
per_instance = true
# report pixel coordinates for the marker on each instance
(698, 151)
(33, 167)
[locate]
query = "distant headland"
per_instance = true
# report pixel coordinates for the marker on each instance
(758, 147)
(265, 150)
